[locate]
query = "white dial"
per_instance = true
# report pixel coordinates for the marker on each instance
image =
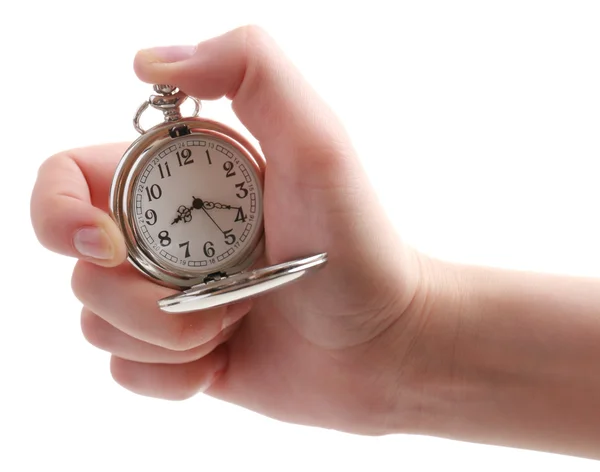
(197, 204)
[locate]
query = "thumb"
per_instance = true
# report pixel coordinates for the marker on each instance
(67, 201)
(295, 128)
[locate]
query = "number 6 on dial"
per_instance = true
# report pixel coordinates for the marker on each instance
(188, 198)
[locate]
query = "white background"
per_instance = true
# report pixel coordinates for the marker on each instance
(478, 122)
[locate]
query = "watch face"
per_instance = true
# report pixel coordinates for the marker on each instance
(197, 204)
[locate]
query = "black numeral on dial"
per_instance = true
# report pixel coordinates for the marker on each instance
(154, 192)
(187, 248)
(165, 240)
(184, 157)
(240, 215)
(209, 249)
(228, 166)
(229, 237)
(243, 193)
(166, 172)
(151, 217)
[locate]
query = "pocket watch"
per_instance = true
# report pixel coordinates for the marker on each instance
(187, 196)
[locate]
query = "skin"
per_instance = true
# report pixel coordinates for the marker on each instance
(382, 340)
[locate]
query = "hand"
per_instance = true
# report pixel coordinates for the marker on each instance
(326, 351)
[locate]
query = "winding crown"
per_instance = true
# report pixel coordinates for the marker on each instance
(164, 89)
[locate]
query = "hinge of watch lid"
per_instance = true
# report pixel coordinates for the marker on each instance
(177, 131)
(215, 276)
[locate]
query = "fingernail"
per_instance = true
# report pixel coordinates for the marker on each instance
(169, 54)
(234, 313)
(93, 242)
(218, 370)
(229, 320)
(228, 331)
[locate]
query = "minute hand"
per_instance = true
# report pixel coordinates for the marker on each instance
(219, 206)
(216, 224)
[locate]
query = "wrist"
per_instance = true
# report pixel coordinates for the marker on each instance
(422, 345)
(414, 354)
(460, 357)
(502, 357)
(439, 376)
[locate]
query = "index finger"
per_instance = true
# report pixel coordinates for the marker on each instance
(69, 205)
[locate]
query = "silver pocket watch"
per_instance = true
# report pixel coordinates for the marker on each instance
(188, 198)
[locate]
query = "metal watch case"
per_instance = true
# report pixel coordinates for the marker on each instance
(121, 198)
(238, 280)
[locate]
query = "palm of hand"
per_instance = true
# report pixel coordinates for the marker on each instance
(321, 351)
(308, 350)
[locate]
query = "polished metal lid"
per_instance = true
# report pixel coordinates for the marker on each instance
(241, 285)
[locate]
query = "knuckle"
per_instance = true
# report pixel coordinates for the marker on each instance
(125, 373)
(120, 372)
(251, 31)
(48, 225)
(58, 160)
(186, 335)
(82, 280)
(176, 337)
(92, 329)
(51, 162)
(181, 393)
(189, 332)
(189, 385)
(45, 209)
(253, 36)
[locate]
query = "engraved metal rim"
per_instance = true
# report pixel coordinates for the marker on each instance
(242, 285)
(121, 199)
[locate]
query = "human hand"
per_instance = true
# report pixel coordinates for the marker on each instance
(327, 351)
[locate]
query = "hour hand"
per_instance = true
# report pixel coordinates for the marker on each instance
(183, 214)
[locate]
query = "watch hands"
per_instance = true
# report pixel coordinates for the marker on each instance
(185, 213)
(219, 206)
(213, 220)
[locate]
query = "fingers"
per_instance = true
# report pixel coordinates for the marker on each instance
(103, 335)
(126, 300)
(69, 203)
(269, 95)
(154, 353)
(170, 382)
